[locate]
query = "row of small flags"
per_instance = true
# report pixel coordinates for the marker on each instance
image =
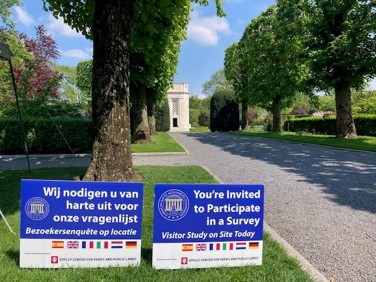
(93, 244)
(220, 246)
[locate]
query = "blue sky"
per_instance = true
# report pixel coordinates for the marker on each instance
(201, 54)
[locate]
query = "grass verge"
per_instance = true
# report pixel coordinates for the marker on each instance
(364, 143)
(161, 143)
(277, 265)
(199, 129)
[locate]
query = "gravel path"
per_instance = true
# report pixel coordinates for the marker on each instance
(320, 200)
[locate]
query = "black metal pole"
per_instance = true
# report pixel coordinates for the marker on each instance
(20, 116)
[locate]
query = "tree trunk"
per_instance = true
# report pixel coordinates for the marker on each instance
(151, 119)
(244, 124)
(140, 124)
(345, 123)
(277, 115)
(111, 159)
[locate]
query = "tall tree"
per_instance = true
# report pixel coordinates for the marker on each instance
(264, 65)
(271, 61)
(39, 79)
(69, 90)
(364, 101)
(108, 23)
(33, 65)
(235, 73)
(6, 12)
(342, 49)
(84, 71)
(21, 55)
(216, 82)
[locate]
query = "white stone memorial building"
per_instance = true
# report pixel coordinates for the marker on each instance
(178, 102)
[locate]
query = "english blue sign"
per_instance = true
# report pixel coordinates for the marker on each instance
(208, 212)
(207, 225)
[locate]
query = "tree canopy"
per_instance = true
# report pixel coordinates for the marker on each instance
(78, 14)
(6, 12)
(84, 71)
(39, 78)
(216, 82)
(33, 65)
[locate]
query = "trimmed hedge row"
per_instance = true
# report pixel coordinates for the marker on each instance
(365, 125)
(224, 111)
(43, 136)
(162, 118)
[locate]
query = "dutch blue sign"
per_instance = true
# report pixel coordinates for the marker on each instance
(81, 210)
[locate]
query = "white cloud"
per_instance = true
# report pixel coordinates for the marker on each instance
(23, 16)
(57, 26)
(372, 84)
(206, 30)
(82, 54)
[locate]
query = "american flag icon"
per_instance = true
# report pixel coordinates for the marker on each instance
(72, 245)
(200, 247)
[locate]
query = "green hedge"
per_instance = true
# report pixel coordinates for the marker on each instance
(224, 111)
(365, 125)
(43, 136)
(162, 117)
(193, 117)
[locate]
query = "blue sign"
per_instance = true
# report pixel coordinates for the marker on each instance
(208, 213)
(207, 225)
(81, 210)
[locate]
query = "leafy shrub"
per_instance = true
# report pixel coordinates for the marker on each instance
(268, 123)
(224, 111)
(203, 119)
(162, 117)
(300, 111)
(193, 117)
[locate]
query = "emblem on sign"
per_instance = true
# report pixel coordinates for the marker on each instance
(173, 205)
(37, 208)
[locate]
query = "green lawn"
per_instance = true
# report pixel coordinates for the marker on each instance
(366, 143)
(199, 129)
(277, 265)
(161, 143)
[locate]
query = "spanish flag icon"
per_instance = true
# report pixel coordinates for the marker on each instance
(58, 244)
(187, 247)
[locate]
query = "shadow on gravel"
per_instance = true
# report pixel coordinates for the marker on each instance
(349, 177)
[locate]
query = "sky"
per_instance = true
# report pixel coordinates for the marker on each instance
(202, 54)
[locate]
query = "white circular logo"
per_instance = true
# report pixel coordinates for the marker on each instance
(37, 208)
(173, 205)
